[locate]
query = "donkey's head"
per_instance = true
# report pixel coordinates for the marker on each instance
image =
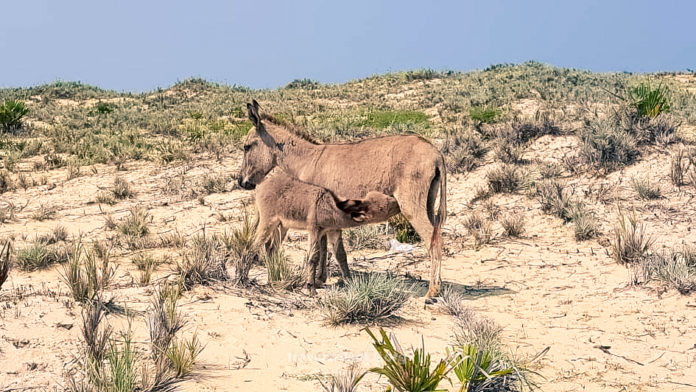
(259, 151)
(375, 207)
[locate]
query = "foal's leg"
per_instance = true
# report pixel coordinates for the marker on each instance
(323, 272)
(336, 241)
(313, 260)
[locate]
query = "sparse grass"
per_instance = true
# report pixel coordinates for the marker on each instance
(513, 224)
(365, 299)
(407, 373)
(346, 381)
(146, 265)
(106, 198)
(136, 224)
(365, 237)
(122, 189)
(453, 303)
(504, 178)
(680, 164)
(645, 189)
(675, 268)
(281, 274)
(39, 255)
(584, 222)
(608, 143)
(216, 183)
(479, 228)
(630, 243)
(240, 246)
(380, 119)
(203, 263)
(550, 170)
(182, 354)
(553, 198)
(463, 150)
(43, 213)
(88, 272)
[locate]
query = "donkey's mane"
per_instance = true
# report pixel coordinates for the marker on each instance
(295, 129)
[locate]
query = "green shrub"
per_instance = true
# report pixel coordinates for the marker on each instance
(11, 114)
(648, 101)
(484, 115)
(381, 119)
(407, 373)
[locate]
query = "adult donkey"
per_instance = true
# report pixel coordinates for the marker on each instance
(406, 167)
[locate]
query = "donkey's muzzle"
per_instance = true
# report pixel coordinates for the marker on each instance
(246, 184)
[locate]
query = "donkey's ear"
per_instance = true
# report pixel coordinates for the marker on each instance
(253, 110)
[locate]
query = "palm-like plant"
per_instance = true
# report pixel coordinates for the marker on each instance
(482, 370)
(648, 101)
(408, 374)
(11, 113)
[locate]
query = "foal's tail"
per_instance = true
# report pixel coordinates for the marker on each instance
(438, 220)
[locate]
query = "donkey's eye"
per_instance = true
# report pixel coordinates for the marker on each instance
(247, 147)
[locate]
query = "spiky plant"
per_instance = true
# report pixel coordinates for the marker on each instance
(408, 373)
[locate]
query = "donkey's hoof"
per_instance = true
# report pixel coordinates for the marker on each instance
(311, 290)
(431, 300)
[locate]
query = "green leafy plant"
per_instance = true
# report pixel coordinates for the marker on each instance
(649, 101)
(484, 370)
(11, 113)
(484, 115)
(408, 373)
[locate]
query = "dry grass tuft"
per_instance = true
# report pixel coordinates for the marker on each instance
(513, 224)
(88, 272)
(479, 228)
(630, 243)
(346, 381)
(281, 274)
(204, 262)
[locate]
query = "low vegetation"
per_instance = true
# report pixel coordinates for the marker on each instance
(367, 298)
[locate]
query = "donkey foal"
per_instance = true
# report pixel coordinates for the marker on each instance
(284, 203)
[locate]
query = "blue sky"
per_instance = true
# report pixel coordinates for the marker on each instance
(141, 45)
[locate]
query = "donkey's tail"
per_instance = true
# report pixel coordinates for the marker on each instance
(438, 220)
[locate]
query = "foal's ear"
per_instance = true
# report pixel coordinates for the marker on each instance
(356, 209)
(253, 110)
